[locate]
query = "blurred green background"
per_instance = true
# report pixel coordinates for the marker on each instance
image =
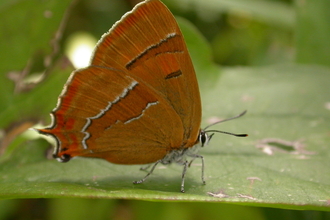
(252, 38)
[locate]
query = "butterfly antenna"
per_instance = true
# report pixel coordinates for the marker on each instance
(224, 132)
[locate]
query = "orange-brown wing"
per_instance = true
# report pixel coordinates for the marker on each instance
(112, 116)
(148, 44)
(138, 100)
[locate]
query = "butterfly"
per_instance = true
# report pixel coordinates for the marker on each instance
(138, 101)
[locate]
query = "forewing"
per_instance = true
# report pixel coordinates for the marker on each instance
(148, 45)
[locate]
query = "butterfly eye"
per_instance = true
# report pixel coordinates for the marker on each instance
(204, 138)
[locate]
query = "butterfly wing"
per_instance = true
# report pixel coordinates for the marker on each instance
(110, 117)
(138, 99)
(148, 43)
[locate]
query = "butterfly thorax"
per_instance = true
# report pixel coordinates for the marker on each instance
(180, 156)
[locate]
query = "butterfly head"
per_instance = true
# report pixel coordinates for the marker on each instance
(204, 137)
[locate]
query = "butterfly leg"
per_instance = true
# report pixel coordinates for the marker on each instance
(202, 158)
(148, 174)
(146, 167)
(191, 162)
(194, 156)
(185, 165)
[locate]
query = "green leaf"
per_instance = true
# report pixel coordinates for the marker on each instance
(283, 102)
